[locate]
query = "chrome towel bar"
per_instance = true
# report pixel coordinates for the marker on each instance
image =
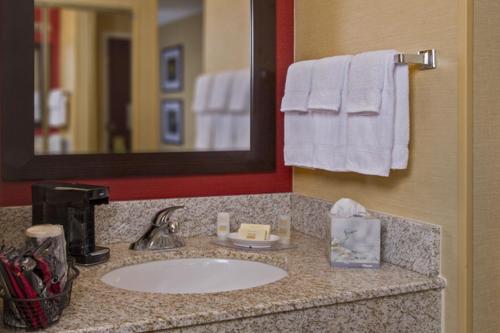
(426, 59)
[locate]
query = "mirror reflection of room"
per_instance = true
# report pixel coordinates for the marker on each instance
(142, 76)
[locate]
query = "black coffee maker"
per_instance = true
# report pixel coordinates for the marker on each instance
(72, 206)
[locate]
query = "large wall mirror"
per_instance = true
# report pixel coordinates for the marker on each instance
(104, 88)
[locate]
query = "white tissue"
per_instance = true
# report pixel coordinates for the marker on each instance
(347, 208)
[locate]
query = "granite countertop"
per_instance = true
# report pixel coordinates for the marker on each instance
(97, 307)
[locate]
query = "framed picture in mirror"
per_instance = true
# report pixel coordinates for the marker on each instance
(172, 121)
(172, 72)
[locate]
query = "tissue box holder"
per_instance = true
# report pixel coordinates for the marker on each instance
(355, 242)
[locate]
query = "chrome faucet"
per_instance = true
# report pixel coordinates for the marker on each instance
(161, 234)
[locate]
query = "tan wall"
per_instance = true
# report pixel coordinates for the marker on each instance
(188, 33)
(486, 164)
(428, 189)
(67, 68)
(226, 35)
(78, 78)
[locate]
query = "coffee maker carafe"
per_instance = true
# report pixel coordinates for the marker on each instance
(72, 206)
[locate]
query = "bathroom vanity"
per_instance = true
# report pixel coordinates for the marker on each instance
(312, 298)
(403, 296)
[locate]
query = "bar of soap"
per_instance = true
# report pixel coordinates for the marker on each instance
(254, 231)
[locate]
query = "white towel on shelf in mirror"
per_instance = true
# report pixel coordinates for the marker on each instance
(218, 100)
(241, 131)
(202, 91)
(204, 131)
(204, 120)
(38, 107)
(239, 99)
(223, 131)
(57, 103)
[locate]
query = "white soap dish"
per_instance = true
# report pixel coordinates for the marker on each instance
(235, 238)
(275, 246)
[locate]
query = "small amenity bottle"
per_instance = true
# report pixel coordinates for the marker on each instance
(284, 229)
(223, 225)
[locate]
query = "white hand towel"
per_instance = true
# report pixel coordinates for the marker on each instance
(370, 135)
(239, 100)
(329, 127)
(328, 76)
(297, 86)
(219, 95)
(202, 92)
(366, 81)
(401, 118)
(57, 108)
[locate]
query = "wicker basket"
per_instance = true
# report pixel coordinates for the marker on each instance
(38, 313)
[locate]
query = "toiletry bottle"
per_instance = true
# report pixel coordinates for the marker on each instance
(284, 229)
(223, 223)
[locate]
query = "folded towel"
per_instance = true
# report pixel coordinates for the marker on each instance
(239, 100)
(328, 76)
(202, 93)
(366, 81)
(370, 135)
(58, 103)
(329, 128)
(401, 118)
(218, 100)
(204, 131)
(297, 87)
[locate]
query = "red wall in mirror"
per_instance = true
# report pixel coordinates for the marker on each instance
(19, 193)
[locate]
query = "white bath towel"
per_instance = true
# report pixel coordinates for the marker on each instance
(370, 130)
(239, 99)
(218, 100)
(58, 104)
(202, 92)
(297, 87)
(328, 77)
(366, 81)
(401, 118)
(299, 137)
(329, 128)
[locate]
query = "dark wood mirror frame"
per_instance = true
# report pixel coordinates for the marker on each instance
(17, 125)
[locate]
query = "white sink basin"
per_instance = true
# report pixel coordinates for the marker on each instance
(190, 276)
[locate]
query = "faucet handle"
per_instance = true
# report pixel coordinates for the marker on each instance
(163, 218)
